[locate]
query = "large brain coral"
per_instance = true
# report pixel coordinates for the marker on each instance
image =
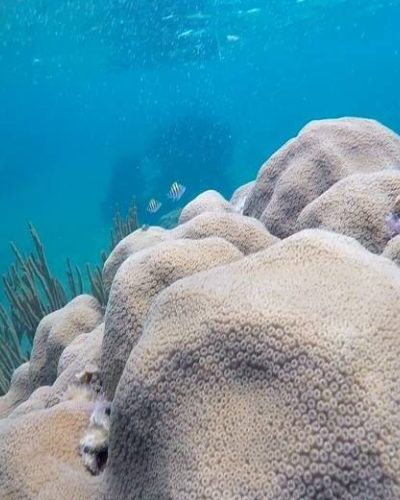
(323, 153)
(273, 377)
(356, 206)
(55, 332)
(138, 281)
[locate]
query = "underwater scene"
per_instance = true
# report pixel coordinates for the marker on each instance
(199, 249)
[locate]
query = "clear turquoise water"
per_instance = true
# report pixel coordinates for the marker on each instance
(104, 99)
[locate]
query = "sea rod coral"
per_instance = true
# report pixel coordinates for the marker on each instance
(34, 292)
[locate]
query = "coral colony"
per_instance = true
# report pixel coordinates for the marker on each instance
(252, 351)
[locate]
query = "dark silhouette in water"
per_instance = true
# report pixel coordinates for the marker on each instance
(124, 184)
(194, 150)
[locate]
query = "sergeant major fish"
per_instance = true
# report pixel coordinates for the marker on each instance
(153, 206)
(176, 191)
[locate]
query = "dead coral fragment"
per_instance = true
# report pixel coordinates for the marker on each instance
(89, 375)
(94, 444)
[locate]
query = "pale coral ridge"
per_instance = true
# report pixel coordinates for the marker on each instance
(323, 153)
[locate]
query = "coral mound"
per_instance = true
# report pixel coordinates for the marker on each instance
(231, 363)
(138, 240)
(138, 281)
(18, 392)
(356, 206)
(56, 331)
(266, 378)
(246, 233)
(240, 195)
(209, 201)
(40, 458)
(323, 153)
(392, 250)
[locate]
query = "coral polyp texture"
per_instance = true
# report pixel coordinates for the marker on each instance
(356, 206)
(250, 355)
(139, 279)
(239, 197)
(323, 153)
(209, 201)
(281, 385)
(56, 331)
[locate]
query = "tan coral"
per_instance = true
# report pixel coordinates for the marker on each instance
(40, 456)
(392, 250)
(246, 233)
(57, 331)
(396, 205)
(356, 206)
(38, 360)
(273, 377)
(139, 280)
(138, 240)
(85, 342)
(38, 400)
(208, 201)
(240, 195)
(83, 356)
(323, 153)
(18, 392)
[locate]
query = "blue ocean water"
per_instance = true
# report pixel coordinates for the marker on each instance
(102, 100)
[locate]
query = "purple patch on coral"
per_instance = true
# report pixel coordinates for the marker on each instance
(393, 224)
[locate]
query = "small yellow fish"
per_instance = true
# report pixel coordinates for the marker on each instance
(176, 191)
(154, 206)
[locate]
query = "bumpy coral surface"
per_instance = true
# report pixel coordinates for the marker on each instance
(137, 283)
(18, 392)
(356, 206)
(323, 153)
(246, 233)
(392, 250)
(240, 366)
(40, 457)
(209, 201)
(78, 364)
(56, 331)
(240, 195)
(138, 240)
(38, 400)
(273, 377)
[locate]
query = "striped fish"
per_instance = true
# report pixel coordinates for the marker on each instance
(176, 191)
(154, 206)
